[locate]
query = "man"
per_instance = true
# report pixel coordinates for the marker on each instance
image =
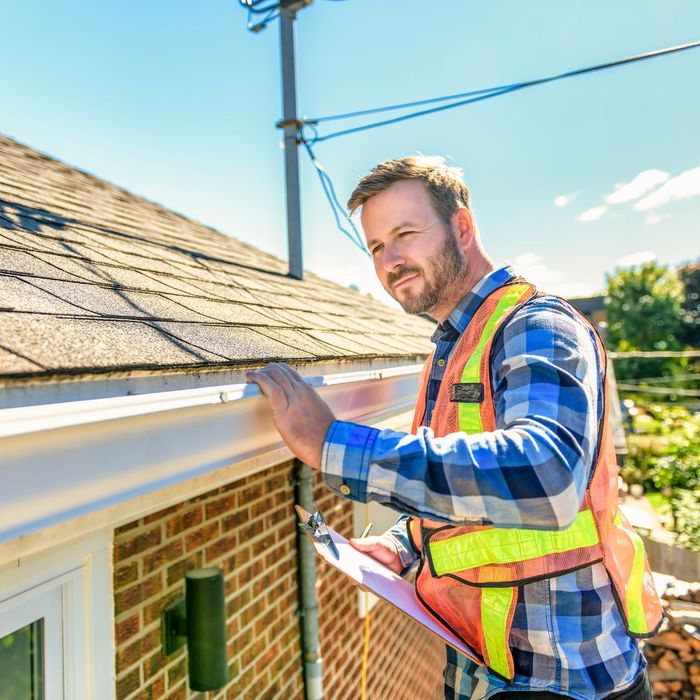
(510, 432)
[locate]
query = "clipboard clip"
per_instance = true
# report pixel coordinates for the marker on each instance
(317, 528)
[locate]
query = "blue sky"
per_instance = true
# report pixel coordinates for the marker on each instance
(176, 101)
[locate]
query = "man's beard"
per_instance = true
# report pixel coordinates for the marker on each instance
(439, 275)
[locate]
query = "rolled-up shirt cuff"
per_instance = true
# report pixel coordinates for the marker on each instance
(398, 535)
(347, 454)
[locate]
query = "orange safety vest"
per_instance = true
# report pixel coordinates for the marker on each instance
(468, 574)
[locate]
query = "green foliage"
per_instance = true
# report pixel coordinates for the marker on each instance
(667, 458)
(685, 506)
(644, 313)
(690, 278)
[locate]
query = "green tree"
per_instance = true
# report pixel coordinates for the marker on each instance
(644, 313)
(690, 277)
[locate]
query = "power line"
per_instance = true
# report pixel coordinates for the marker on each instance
(653, 354)
(667, 378)
(666, 390)
(337, 208)
(485, 94)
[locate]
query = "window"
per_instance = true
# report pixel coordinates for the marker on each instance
(31, 646)
(56, 626)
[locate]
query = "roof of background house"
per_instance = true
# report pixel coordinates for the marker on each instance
(587, 305)
(95, 279)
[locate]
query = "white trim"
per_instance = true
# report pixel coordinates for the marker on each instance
(67, 461)
(31, 419)
(77, 582)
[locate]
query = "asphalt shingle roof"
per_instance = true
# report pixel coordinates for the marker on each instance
(93, 279)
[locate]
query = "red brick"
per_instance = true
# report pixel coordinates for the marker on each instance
(128, 655)
(184, 521)
(137, 543)
(233, 520)
(153, 664)
(177, 672)
(159, 557)
(154, 690)
(128, 684)
(127, 628)
(176, 573)
(124, 575)
(221, 505)
(200, 536)
(261, 507)
(155, 517)
(222, 546)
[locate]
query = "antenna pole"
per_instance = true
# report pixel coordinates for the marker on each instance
(291, 126)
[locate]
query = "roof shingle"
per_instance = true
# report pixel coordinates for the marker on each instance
(93, 279)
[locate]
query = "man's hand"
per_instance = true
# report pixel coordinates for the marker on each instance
(301, 416)
(380, 548)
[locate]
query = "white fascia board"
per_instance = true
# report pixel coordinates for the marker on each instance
(60, 462)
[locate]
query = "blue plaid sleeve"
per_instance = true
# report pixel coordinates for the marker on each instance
(531, 472)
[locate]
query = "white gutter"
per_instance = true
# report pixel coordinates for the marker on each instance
(59, 462)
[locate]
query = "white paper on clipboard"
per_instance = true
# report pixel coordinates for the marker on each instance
(381, 581)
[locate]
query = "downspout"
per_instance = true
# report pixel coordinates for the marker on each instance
(308, 605)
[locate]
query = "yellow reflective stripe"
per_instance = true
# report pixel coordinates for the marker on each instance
(495, 608)
(505, 545)
(469, 413)
(636, 619)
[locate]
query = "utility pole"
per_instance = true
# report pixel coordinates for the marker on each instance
(291, 125)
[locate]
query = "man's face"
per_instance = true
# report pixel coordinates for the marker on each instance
(416, 257)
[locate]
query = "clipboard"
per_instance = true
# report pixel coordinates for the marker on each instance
(378, 579)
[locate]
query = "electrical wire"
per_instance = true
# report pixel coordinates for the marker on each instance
(489, 93)
(269, 9)
(665, 390)
(653, 353)
(676, 378)
(406, 105)
(336, 207)
(253, 6)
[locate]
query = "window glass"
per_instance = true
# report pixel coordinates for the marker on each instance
(22, 663)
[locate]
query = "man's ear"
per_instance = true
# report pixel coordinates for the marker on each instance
(464, 227)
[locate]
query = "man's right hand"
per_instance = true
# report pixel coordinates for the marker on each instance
(380, 548)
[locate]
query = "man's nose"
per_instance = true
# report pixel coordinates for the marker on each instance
(392, 258)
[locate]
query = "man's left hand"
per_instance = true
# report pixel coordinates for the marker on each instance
(301, 416)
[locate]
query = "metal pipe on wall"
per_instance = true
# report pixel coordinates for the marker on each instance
(308, 604)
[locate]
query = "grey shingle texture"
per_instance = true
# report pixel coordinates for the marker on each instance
(95, 279)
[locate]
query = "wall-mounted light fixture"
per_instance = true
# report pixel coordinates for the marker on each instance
(199, 620)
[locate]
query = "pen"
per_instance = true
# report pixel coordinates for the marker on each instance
(367, 530)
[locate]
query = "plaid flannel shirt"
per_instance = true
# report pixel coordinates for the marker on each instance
(531, 472)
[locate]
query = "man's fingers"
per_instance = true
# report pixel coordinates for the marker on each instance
(276, 371)
(270, 388)
(289, 373)
(367, 544)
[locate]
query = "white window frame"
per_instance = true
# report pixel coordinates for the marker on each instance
(76, 580)
(40, 604)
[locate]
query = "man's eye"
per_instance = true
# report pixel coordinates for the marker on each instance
(403, 234)
(376, 249)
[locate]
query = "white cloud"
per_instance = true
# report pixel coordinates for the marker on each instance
(683, 186)
(592, 214)
(533, 268)
(634, 259)
(561, 200)
(644, 182)
(653, 218)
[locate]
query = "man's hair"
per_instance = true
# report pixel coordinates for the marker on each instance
(443, 182)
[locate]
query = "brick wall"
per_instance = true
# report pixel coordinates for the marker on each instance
(248, 529)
